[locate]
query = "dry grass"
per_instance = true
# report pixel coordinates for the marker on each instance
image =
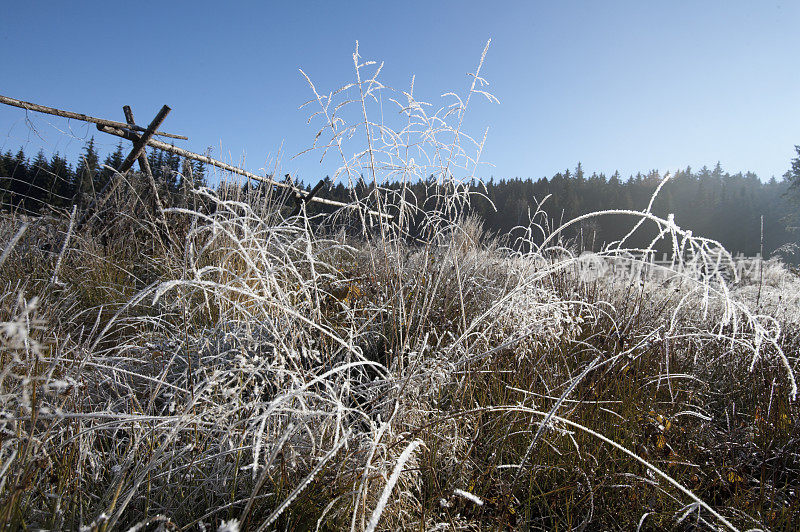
(253, 371)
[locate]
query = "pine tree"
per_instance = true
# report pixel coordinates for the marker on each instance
(793, 193)
(113, 160)
(199, 174)
(40, 183)
(84, 178)
(63, 179)
(5, 177)
(172, 167)
(18, 185)
(156, 160)
(579, 172)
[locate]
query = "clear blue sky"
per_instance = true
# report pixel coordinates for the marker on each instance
(632, 86)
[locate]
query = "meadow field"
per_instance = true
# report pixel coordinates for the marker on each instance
(222, 363)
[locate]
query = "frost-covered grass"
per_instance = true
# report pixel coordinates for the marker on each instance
(255, 371)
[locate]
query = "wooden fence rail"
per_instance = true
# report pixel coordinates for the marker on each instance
(141, 137)
(299, 193)
(78, 116)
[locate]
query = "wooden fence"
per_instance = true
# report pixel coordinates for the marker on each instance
(141, 137)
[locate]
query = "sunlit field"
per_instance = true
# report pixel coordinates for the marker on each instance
(222, 363)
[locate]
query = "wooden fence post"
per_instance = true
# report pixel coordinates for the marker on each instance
(138, 153)
(301, 199)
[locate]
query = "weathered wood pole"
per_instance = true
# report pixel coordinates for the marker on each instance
(138, 153)
(78, 116)
(129, 135)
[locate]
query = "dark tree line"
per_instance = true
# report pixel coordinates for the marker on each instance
(710, 202)
(32, 185)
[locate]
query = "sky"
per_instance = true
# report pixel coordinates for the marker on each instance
(629, 86)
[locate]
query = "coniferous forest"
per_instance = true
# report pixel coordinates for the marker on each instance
(33, 184)
(711, 202)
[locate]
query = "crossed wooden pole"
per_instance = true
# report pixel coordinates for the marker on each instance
(137, 154)
(142, 137)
